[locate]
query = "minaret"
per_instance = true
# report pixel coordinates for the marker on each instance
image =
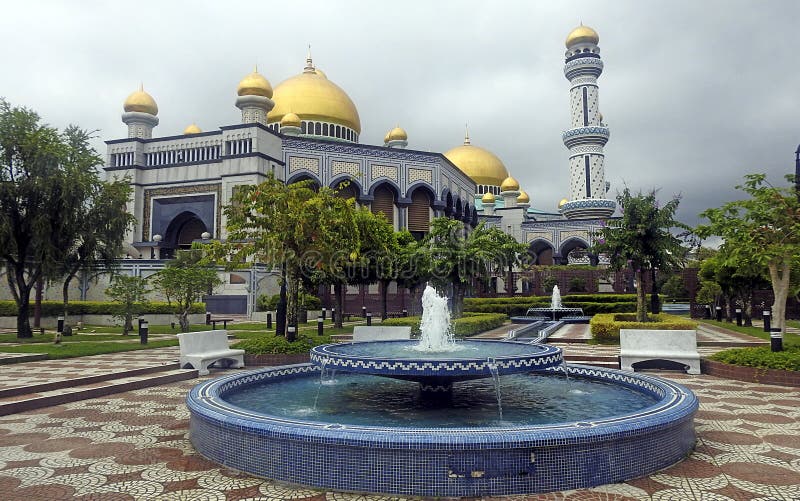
(140, 114)
(255, 93)
(587, 135)
(396, 138)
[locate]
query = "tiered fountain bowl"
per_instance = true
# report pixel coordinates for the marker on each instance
(365, 429)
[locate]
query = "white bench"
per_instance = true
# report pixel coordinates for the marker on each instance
(201, 349)
(641, 345)
(378, 333)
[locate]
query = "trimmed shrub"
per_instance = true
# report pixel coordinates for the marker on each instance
(270, 303)
(519, 305)
(274, 345)
(761, 357)
(605, 326)
(468, 325)
(55, 308)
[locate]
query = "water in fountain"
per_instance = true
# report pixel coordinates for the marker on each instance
(555, 301)
(435, 331)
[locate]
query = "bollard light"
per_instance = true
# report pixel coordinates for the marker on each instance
(291, 333)
(369, 318)
(144, 328)
(776, 339)
(60, 326)
(320, 325)
(766, 316)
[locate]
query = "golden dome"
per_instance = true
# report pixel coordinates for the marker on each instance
(290, 120)
(397, 134)
(482, 166)
(509, 184)
(320, 73)
(254, 84)
(582, 34)
(313, 97)
(386, 138)
(487, 198)
(562, 202)
(192, 129)
(523, 198)
(142, 102)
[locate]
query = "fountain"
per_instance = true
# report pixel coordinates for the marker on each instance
(556, 311)
(442, 417)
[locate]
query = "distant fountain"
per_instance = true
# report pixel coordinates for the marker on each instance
(436, 333)
(555, 301)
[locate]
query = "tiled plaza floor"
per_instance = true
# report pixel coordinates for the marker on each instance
(134, 446)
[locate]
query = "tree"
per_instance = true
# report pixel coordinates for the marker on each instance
(737, 280)
(412, 266)
(45, 179)
(97, 242)
(458, 258)
(185, 280)
(293, 227)
(645, 238)
(508, 253)
(377, 248)
(764, 230)
(131, 292)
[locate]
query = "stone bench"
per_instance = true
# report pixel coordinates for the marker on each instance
(378, 333)
(199, 350)
(670, 349)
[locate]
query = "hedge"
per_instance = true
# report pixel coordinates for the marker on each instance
(518, 309)
(761, 357)
(545, 300)
(606, 326)
(55, 308)
(468, 325)
(273, 345)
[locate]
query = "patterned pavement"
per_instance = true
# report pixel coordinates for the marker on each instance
(134, 445)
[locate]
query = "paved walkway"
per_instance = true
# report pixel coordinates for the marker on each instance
(134, 445)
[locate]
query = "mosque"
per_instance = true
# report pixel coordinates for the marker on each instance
(308, 128)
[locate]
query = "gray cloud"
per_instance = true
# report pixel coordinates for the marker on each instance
(696, 94)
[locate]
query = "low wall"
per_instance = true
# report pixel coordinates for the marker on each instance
(279, 359)
(107, 320)
(261, 316)
(750, 374)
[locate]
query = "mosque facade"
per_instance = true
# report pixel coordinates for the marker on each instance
(308, 128)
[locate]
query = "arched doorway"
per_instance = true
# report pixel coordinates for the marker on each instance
(541, 252)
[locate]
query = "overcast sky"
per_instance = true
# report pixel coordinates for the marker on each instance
(696, 93)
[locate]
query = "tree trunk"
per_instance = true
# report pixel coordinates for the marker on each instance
(510, 285)
(65, 295)
(292, 300)
(22, 294)
(747, 309)
(641, 305)
(384, 288)
(779, 271)
(128, 324)
(655, 301)
(37, 308)
(183, 319)
(458, 299)
(338, 298)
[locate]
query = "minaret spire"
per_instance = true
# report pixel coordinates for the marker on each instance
(309, 63)
(466, 134)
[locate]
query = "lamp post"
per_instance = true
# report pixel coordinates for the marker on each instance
(797, 171)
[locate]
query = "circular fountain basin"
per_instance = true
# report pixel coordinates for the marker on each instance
(495, 458)
(465, 360)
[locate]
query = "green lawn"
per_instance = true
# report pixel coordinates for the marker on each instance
(48, 337)
(84, 349)
(788, 339)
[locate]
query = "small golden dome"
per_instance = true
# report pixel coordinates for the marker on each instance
(386, 138)
(313, 97)
(254, 84)
(482, 166)
(192, 129)
(397, 134)
(141, 102)
(290, 120)
(509, 184)
(487, 198)
(562, 202)
(582, 34)
(523, 198)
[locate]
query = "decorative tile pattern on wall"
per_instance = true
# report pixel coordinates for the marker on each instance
(304, 163)
(415, 175)
(341, 167)
(387, 171)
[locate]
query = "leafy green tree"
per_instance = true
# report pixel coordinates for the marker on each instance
(764, 230)
(184, 281)
(508, 253)
(294, 227)
(412, 266)
(131, 292)
(97, 242)
(458, 258)
(645, 238)
(674, 287)
(376, 254)
(46, 178)
(737, 279)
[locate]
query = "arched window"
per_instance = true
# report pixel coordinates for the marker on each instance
(324, 129)
(302, 127)
(317, 128)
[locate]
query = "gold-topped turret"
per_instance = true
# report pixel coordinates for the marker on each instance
(254, 84)
(523, 197)
(509, 184)
(141, 102)
(397, 134)
(488, 198)
(582, 34)
(290, 120)
(562, 202)
(192, 129)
